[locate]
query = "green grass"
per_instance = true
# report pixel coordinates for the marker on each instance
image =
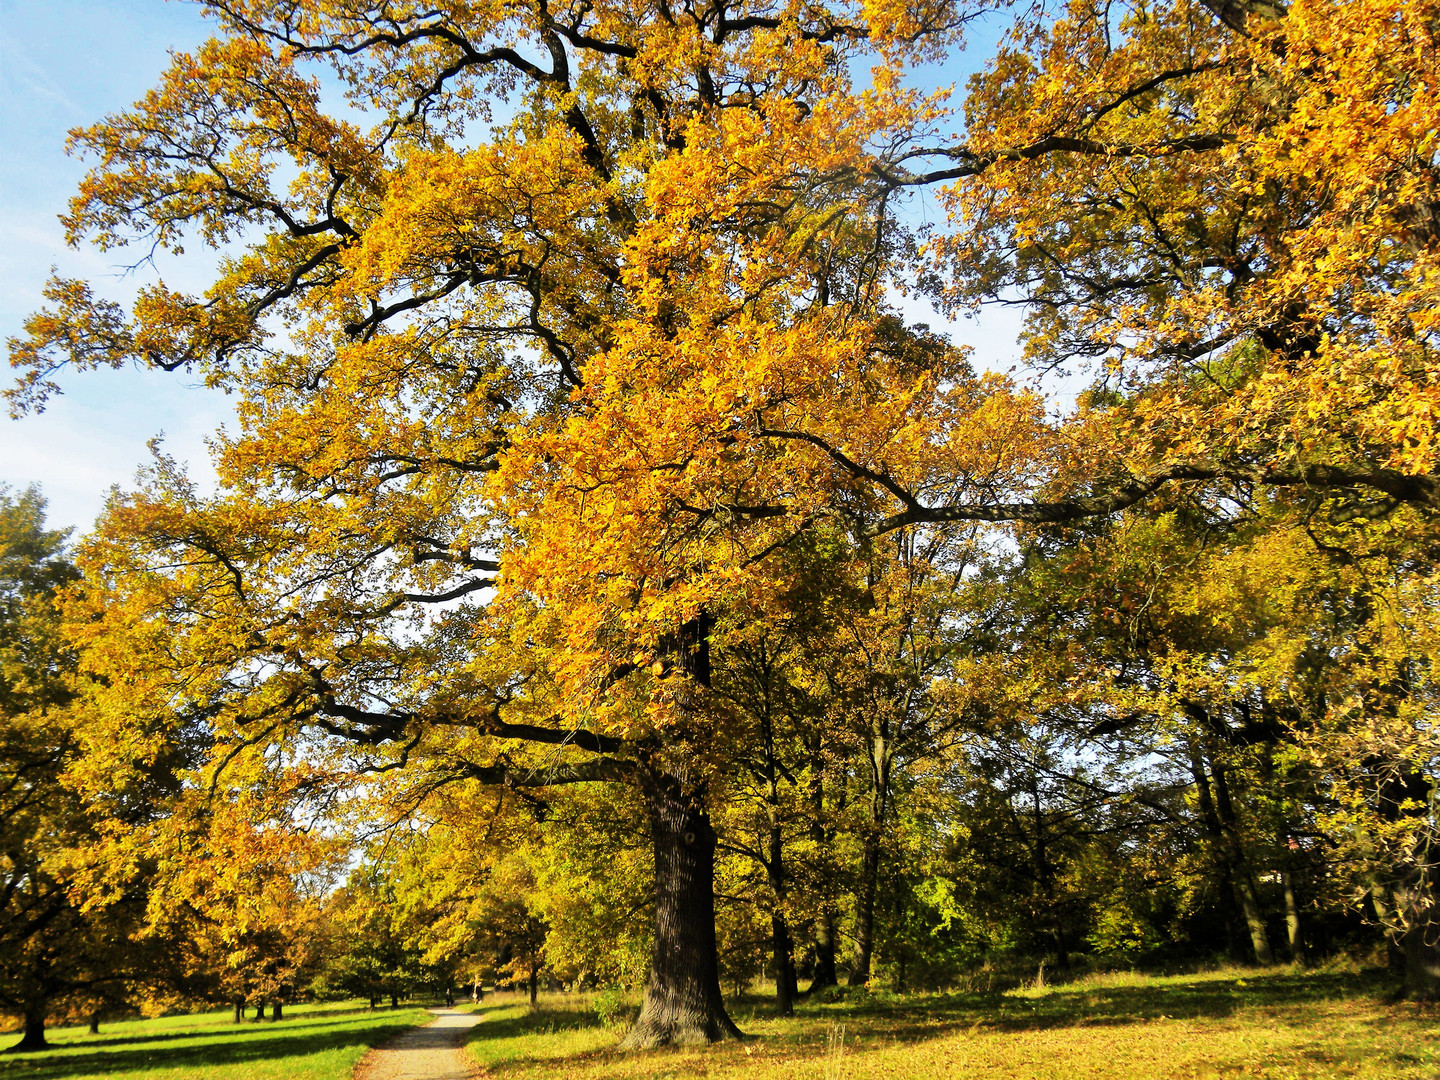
(316, 1042)
(1278, 1025)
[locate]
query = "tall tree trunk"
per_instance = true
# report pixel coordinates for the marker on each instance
(277, 1011)
(34, 1037)
(1244, 878)
(865, 908)
(782, 945)
(1294, 930)
(260, 1011)
(394, 1001)
(682, 1003)
(534, 983)
(783, 948)
(825, 975)
(240, 1009)
(880, 757)
(1228, 852)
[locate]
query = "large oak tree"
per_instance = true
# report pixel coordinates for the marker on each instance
(570, 316)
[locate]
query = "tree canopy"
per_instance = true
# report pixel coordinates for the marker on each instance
(567, 348)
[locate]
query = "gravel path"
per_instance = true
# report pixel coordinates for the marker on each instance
(431, 1052)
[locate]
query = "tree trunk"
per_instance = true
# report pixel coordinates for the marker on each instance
(534, 983)
(95, 1022)
(34, 1037)
(682, 994)
(786, 984)
(1293, 928)
(825, 975)
(1421, 947)
(239, 1010)
(394, 1001)
(782, 947)
(260, 1011)
(1244, 879)
(1215, 810)
(881, 753)
(865, 908)
(276, 1011)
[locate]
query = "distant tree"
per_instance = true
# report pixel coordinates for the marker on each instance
(58, 952)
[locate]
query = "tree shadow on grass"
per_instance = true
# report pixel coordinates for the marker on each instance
(201, 1031)
(915, 1020)
(1082, 1005)
(539, 1021)
(70, 1059)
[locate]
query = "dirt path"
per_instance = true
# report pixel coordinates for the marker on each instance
(431, 1052)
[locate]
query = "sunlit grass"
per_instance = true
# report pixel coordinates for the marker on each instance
(1281, 1025)
(316, 1042)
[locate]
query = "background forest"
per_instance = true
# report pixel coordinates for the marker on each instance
(609, 585)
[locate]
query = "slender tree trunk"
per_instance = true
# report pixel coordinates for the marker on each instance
(782, 945)
(825, 975)
(34, 1037)
(1228, 851)
(394, 1001)
(880, 753)
(682, 994)
(786, 984)
(1294, 930)
(534, 983)
(239, 1009)
(865, 908)
(1244, 878)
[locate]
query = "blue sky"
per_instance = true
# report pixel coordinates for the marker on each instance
(67, 63)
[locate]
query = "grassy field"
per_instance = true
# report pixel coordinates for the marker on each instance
(316, 1042)
(1277, 1025)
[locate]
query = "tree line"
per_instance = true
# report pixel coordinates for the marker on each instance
(600, 552)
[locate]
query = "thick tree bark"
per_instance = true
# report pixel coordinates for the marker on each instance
(1420, 945)
(682, 995)
(34, 1037)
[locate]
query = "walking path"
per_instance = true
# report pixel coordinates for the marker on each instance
(431, 1052)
